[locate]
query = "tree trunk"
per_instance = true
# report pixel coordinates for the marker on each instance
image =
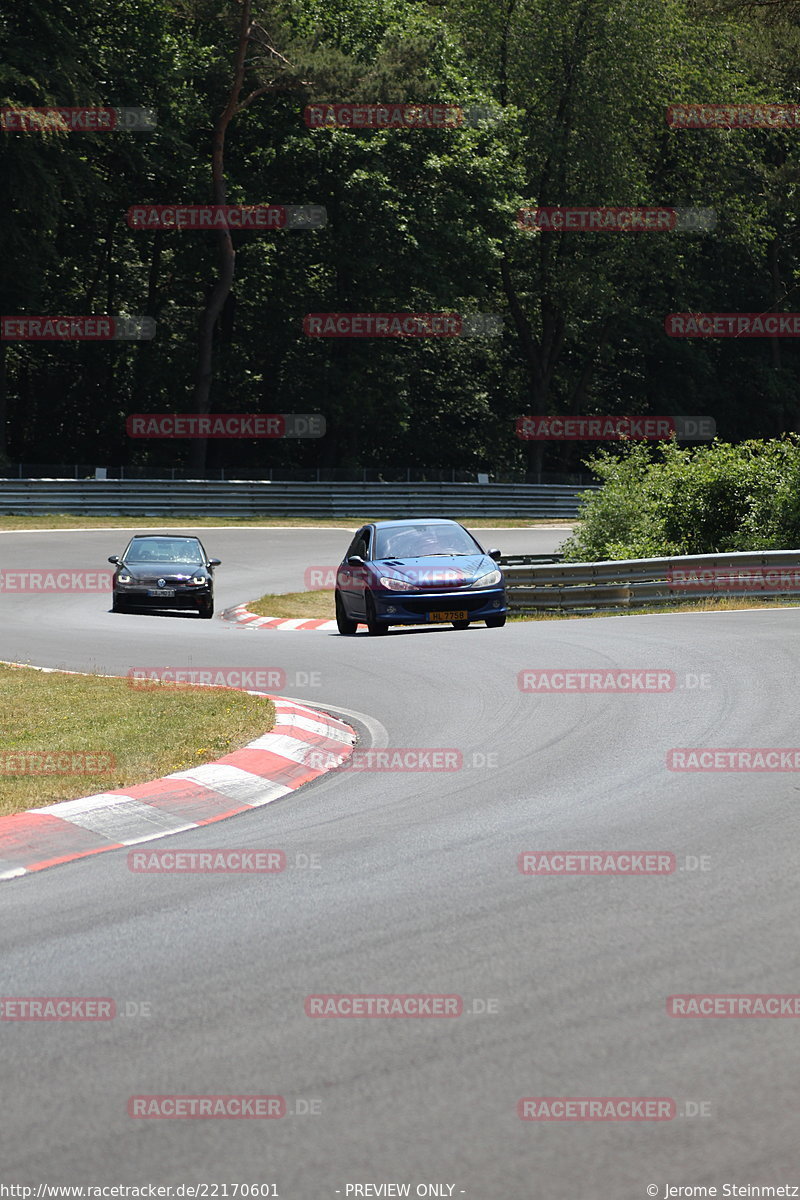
(777, 295)
(144, 349)
(201, 399)
(3, 401)
(540, 359)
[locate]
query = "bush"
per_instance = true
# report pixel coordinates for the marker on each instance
(662, 500)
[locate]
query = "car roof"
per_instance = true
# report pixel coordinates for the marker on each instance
(190, 536)
(413, 521)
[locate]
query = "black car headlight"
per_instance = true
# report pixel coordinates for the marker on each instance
(396, 585)
(123, 577)
(198, 580)
(490, 579)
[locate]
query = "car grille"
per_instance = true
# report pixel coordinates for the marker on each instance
(419, 605)
(169, 580)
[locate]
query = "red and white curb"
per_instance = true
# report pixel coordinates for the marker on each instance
(249, 620)
(263, 771)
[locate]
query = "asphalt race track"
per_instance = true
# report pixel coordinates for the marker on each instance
(418, 891)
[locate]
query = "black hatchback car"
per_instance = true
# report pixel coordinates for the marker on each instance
(164, 571)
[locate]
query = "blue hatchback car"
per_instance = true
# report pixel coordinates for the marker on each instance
(418, 573)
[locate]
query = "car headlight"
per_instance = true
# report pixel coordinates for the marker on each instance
(396, 585)
(198, 580)
(491, 579)
(123, 578)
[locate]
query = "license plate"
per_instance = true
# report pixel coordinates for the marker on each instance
(161, 592)
(448, 616)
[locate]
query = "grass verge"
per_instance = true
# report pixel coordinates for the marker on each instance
(148, 733)
(319, 604)
(709, 604)
(263, 520)
(311, 605)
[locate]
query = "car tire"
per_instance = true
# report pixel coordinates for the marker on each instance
(118, 605)
(496, 622)
(206, 609)
(460, 624)
(374, 627)
(345, 626)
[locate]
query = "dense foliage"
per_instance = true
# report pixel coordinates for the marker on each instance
(705, 500)
(418, 220)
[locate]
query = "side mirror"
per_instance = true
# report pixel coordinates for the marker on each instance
(355, 560)
(113, 559)
(495, 554)
(215, 562)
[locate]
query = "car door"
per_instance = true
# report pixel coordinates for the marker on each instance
(351, 580)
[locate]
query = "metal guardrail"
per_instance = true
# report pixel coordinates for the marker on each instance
(631, 583)
(187, 498)
(529, 560)
(277, 474)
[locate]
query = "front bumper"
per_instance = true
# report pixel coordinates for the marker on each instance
(407, 608)
(136, 596)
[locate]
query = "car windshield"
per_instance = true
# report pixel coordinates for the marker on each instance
(419, 541)
(174, 550)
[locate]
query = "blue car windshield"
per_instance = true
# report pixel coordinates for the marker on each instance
(172, 550)
(419, 541)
